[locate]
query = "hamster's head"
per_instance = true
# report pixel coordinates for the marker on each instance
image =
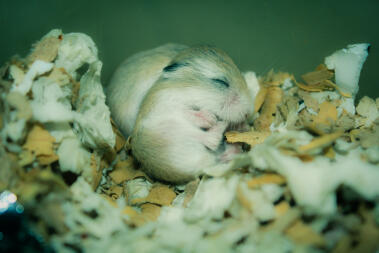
(221, 87)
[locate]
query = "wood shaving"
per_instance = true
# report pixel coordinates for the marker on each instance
(329, 152)
(317, 76)
(287, 112)
(323, 86)
(60, 76)
(97, 171)
(252, 138)
(41, 143)
(364, 240)
(17, 74)
(345, 122)
(124, 170)
(266, 179)
(365, 137)
(285, 221)
(128, 210)
(160, 195)
(243, 200)
(45, 50)
(115, 192)
(281, 208)
(150, 212)
(320, 80)
(26, 157)
(303, 234)
(302, 157)
(38, 182)
(273, 78)
(21, 104)
(120, 140)
(327, 114)
(320, 142)
(268, 110)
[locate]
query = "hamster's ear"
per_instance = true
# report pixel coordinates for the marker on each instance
(174, 66)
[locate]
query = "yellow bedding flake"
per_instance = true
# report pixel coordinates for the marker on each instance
(319, 80)
(45, 50)
(40, 143)
(282, 208)
(323, 86)
(26, 157)
(302, 157)
(252, 138)
(367, 137)
(275, 78)
(364, 240)
(149, 212)
(309, 101)
(38, 182)
(284, 222)
(243, 200)
(60, 76)
(317, 76)
(273, 98)
(320, 142)
(128, 210)
(160, 195)
(124, 171)
(115, 191)
(345, 122)
(329, 152)
(327, 114)
(96, 172)
(17, 74)
(301, 233)
(75, 91)
(120, 140)
(260, 98)
(21, 104)
(268, 178)
(344, 94)
(47, 159)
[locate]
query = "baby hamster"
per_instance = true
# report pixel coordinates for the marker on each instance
(185, 106)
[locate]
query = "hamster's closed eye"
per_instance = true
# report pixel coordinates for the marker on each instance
(174, 66)
(221, 82)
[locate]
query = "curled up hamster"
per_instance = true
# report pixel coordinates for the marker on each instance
(176, 102)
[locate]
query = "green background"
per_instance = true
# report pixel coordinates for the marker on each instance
(292, 36)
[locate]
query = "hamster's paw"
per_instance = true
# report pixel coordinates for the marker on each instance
(212, 137)
(229, 153)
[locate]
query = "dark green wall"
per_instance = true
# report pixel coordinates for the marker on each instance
(291, 36)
